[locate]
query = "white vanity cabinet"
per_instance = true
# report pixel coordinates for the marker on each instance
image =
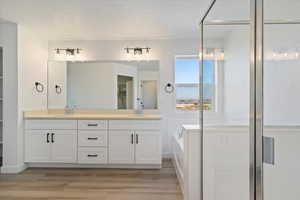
(37, 148)
(128, 143)
(134, 141)
(147, 147)
(46, 144)
(64, 146)
(121, 147)
(92, 141)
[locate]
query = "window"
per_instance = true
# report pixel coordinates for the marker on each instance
(187, 83)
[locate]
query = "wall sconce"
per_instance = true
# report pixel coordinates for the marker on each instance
(69, 51)
(283, 55)
(212, 54)
(138, 50)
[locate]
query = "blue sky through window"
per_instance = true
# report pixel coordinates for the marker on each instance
(187, 71)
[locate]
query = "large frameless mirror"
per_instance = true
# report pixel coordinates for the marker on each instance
(103, 84)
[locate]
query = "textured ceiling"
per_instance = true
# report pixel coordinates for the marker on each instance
(107, 19)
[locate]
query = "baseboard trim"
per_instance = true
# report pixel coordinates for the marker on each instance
(13, 169)
(115, 166)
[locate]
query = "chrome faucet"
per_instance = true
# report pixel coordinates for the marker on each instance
(70, 109)
(140, 106)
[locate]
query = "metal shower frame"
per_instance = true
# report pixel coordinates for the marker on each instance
(256, 23)
(256, 122)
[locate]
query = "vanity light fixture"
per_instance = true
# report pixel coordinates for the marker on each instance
(69, 51)
(138, 50)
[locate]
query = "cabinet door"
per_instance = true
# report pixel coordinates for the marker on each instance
(147, 147)
(37, 148)
(121, 147)
(64, 146)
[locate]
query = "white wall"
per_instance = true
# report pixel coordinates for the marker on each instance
(162, 50)
(25, 63)
(8, 40)
(281, 77)
(57, 75)
(282, 83)
(33, 57)
(237, 77)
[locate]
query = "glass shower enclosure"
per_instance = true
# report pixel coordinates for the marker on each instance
(250, 136)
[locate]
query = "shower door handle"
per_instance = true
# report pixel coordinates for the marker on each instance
(268, 150)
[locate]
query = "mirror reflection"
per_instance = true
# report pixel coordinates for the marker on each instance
(125, 92)
(103, 84)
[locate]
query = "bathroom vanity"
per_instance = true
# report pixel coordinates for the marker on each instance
(92, 118)
(92, 139)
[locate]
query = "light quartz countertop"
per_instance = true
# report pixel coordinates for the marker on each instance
(92, 114)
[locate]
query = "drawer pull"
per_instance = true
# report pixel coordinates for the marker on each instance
(92, 155)
(92, 125)
(93, 138)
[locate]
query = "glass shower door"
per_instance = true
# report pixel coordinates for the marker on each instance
(251, 111)
(281, 110)
(226, 101)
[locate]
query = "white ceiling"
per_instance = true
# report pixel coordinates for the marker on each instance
(107, 19)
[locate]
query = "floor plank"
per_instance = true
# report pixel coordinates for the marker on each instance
(100, 184)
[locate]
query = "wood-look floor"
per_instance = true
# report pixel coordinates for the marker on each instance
(98, 184)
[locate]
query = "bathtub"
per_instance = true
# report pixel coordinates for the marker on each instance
(225, 158)
(177, 149)
(186, 160)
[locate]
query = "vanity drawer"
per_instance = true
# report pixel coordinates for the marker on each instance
(92, 124)
(47, 124)
(94, 138)
(92, 155)
(134, 124)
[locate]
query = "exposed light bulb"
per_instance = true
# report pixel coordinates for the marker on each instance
(147, 50)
